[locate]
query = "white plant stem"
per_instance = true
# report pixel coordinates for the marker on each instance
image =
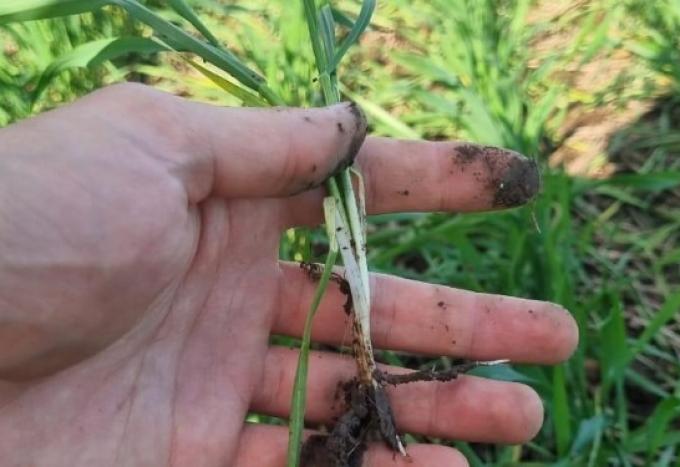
(356, 273)
(357, 277)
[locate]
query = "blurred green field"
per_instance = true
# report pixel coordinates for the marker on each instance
(591, 89)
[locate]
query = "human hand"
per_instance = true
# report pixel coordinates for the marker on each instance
(139, 284)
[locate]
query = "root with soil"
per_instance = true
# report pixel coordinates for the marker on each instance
(368, 413)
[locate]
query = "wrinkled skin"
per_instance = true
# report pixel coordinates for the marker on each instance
(139, 285)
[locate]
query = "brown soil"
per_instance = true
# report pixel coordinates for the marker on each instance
(599, 108)
(360, 127)
(368, 413)
(510, 177)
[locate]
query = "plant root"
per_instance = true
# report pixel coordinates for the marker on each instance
(368, 414)
(314, 272)
(432, 374)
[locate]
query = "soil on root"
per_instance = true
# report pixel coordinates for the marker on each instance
(368, 416)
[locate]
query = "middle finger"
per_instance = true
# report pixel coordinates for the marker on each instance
(431, 319)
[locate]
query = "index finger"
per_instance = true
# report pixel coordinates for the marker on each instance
(454, 176)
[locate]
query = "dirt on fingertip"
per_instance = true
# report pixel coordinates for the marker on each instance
(468, 153)
(512, 179)
(520, 183)
(360, 127)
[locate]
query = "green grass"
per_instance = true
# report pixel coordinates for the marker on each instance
(607, 249)
(28, 49)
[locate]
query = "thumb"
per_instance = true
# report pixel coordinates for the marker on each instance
(273, 152)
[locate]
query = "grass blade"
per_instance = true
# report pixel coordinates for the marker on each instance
(667, 312)
(342, 19)
(94, 53)
(328, 39)
(360, 25)
(182, 41)
(327, 32)
(237, 91)
(658, 423)
(654, 182)
(561, 410)
(397, 128)
(22, 10)
(186, 12)
(588, 431)
(312, 15)
(297, 410)
(615, 349)
(27, 10)
(318, 38)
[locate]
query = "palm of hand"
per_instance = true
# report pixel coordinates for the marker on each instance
(175, 389)
(194, 308)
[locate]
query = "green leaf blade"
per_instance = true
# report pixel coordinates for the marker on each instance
(297, 410)
(94, 53)
(185, 11)
(360, 25)
(246, 97)
(12, 11)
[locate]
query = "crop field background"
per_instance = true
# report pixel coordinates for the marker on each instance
(591, 89)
